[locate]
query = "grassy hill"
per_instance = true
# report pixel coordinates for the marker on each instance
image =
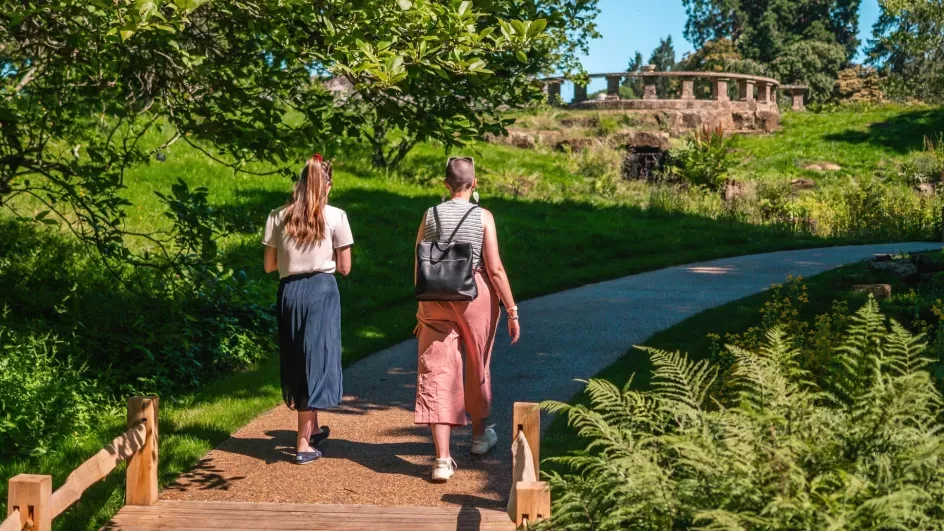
(563, 221)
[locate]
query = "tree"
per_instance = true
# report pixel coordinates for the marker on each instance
(781, 33)
(908, 46)
(634, 84)
(91, 88)
(663, 58)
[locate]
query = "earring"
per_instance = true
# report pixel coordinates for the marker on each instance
(475, 196)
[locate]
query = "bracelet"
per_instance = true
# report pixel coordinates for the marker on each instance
(512, 309)
(512, 318)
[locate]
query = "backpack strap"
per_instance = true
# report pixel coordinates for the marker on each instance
(461, 221)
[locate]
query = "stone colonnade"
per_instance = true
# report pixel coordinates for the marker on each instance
(750, 88)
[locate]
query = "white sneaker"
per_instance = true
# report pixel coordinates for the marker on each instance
(481, 445)
(443, 470)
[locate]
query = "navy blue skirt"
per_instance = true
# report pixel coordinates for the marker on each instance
(310, 341)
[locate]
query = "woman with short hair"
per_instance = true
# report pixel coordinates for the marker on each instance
(307, 241)
(446, 330)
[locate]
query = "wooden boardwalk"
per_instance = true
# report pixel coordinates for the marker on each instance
(205, 516)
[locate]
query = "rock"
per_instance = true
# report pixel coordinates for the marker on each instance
(651, 139)
(822, 166)
(926, 264)
(521, 140)
(768, 121)
(803, 184)
(744, 119)
(879, 291)
(575, 144)
(925, 188)
(904, 269)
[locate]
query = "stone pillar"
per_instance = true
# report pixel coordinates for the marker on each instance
(796, 94)
(719, 89)
(580, 93)
(746, 89)
(649, 88)
(612, 87)
(688, 88)
(763, 92)
(552, 90)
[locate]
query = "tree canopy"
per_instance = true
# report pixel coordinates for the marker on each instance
(86, 86)
(806, 41)
(908, 46)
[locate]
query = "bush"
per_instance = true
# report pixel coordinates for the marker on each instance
(705, 158)
(599, 167)
(926, 165)
(41, 396)
(858, 447)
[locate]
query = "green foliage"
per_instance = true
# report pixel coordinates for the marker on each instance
(805, 41)
(663, 58)
(856, 447)
(44, 395)
(813, 63)
(705, 158)
(908, 46)
(925, 165)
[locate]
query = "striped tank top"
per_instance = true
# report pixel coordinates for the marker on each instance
(450, 214)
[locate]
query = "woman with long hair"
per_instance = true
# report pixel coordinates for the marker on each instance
(308, 241)
(456, 338)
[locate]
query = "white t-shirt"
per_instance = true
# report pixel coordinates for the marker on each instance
(314, 257)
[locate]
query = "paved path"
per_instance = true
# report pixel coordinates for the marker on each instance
(377, 456)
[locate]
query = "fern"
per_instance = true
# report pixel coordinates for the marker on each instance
(860, 447)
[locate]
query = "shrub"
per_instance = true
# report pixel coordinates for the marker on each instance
(41, 396)
(705, 158)
(858, 447)
(926, 165)
(599, 166)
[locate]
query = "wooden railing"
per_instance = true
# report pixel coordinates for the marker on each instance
(532, 498)
(32, 504)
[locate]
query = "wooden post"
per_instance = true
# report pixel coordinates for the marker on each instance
(527, 418)
(141, 483)
(534, 502)
(31, 494)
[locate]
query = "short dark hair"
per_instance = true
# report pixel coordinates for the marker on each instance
(460, 173)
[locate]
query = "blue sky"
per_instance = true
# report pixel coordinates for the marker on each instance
(630, 25)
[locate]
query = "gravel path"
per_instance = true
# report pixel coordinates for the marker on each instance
(377, 456)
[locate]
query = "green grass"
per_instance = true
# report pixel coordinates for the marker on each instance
(691, 336)
(862, 139)
(548, 246)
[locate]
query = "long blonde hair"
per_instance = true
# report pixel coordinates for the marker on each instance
(304, 216)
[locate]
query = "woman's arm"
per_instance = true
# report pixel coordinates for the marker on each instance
(342, 260)
(496, 271)
(419, 238)
(270, 260)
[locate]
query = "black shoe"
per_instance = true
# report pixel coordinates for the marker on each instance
(319, 438)
(303, 458)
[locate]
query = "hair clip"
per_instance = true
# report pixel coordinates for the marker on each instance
(317, 156)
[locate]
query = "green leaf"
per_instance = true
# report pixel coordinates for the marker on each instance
(463, 7)
(523, 57)
(537, 27)
(405, 4)
(126, 34)
(520, 27)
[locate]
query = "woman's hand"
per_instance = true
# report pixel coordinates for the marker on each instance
(514, 330)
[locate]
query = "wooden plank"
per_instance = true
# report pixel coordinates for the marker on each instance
(96, 468)
(141, 481)
(164, 506)
(206, 516)
(527, 418)
(31, 495)
(12, 522)
(534, 501)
